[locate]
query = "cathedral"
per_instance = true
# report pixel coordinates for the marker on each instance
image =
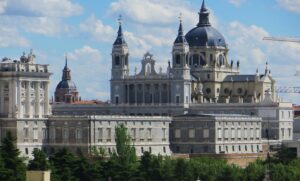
(201, 104)
(200, 72)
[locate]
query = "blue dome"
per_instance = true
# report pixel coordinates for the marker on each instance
(66, 84)
(205, 36)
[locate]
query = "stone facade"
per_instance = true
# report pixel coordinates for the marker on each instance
(215, 133)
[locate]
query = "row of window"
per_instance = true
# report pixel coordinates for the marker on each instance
(233, 133)
(192, 133)
(239, 148)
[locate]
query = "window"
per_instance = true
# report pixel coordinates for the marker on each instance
(240, 91)
(282, 132)
(191, 133)
(282, 114)
(208, 90)
(211, 57)
(141, 134)
(177, 99)
(208, 76)
(117, 60)
(45, 133)
(233, 148)
(150, 149)
(226, 133)
(220, 149)
(164, 149)
(100, 134)
(25, 133)
(149, 134)
(35, 134)
(142, 149)
(78, 134)
(117, 99)
(257, 133)
(290, 132)
(26, 151)
(196, 60)
(177, 133)
(108, 131)
(239, 133)
(65, 134)
(246, 148)
(205, 133)
(164, 134)
(220, 133)
(232, 133)
(177, 59)
(245, 133)
(133, 134)
(239, 147)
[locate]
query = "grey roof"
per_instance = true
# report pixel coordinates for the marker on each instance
(180, 37)
(120, 38)
(212, 115)
(66, 84)
(240, 78)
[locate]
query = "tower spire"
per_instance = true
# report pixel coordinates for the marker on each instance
(66, 61)
(203, 16)
(180, 37)
(120, 38)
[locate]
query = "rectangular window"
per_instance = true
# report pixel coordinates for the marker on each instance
(108, 134)
(141, 134)
(164, 134)
(35, 134)
(219, 133)
(239, 133)
(133, 134)
(191, 133)
(78, 134)
(25, 133)
(226, 133)
(290, 132)
(282, 132)
(257, 133)
(149, 134)
(205, 133)
(232, 133)
(177, 100)
(45, 133)
(65, 134)
(100, 134)
(245, 133)
(251, 133)
(177, 133)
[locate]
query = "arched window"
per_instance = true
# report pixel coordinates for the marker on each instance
(221, 60)
(117, 60)
(177, 57)
(202, 61)
(148, 69)
(196, 60)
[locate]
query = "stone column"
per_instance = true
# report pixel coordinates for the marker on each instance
(46, 99)
(37, 99)
(28, 99)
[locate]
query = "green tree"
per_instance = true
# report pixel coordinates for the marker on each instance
(4, 173)
(182, 170)
(39, 162)
(151, 167)
(11, 159)
(255, 171)
(63, 163)
(123, 159)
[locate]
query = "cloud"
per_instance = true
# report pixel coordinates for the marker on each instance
(10, 37)
(3, 5)
(90, 72)
(236, 2)
(97, 30)
(290, 5)
(246, 44)
(41, 8)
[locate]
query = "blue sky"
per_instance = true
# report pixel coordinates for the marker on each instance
(86, 29)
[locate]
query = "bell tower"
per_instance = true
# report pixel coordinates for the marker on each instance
(120, 53)
(181, 71)
(120, 67)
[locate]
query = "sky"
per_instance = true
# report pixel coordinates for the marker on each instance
(85, 30)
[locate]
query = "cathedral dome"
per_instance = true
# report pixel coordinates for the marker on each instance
(66, 84)
(204, 34)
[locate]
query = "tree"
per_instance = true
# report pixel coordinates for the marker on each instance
(39, 162)
(123, 159)
(11, 158)
(63, 163)
(255, 171)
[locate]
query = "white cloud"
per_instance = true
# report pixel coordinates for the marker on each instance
(90, 72)
(3, 5)
(97, 30)
(236, 2)
(246, 45)
(10, 37)
(41, 8)
(290, 5)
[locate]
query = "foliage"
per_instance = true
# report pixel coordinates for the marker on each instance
(39, 162)
(14, 165)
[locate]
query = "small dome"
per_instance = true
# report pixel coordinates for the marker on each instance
(205, 36)
(66, 84)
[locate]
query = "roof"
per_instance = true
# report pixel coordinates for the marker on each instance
(66, 84)
(212, 115)
(240, 78)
